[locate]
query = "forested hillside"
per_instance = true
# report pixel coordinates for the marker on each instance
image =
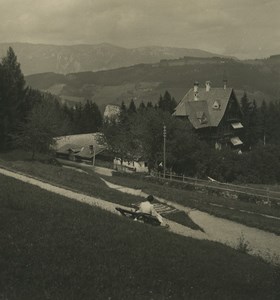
(31, 118)
(260, 79)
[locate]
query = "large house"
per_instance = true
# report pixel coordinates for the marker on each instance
(215, 114)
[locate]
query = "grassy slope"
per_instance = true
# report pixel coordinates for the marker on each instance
(90, 184)
(202, 202)
(53, 248)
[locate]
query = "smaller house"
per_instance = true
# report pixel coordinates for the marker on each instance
(111, 113)
(79, 147)
(138, 166)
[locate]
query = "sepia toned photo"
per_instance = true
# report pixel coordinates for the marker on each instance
(139, 150)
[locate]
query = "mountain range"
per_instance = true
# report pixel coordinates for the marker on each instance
(108, 74)
(40, 58)
(260, 79)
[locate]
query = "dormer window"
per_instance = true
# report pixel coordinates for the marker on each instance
(201, 116)
(216, 105)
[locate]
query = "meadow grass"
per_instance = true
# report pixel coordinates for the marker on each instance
(229, 208)
(92, 185)
(55, 248)
(88, 183)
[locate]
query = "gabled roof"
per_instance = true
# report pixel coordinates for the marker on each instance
(79, 140)
(80, 144)
(86, 152)
(67, 148)
(211, 104)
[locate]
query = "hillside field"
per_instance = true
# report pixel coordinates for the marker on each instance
(92, 185)
(55, 248)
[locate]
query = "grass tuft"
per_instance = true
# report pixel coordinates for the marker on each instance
(243, 245)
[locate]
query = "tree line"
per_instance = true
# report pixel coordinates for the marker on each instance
(29, 119)
(138, 134)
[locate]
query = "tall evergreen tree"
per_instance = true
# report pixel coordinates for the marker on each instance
(91, 118)
(167, 103)
(149, 105)
(273, 123)
(12, 93)
(123, 107)
(250, 133)
(44, 122)
(141, 106)
(132, 107)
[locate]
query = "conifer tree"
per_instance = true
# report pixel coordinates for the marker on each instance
(150, 104)
(249, 121)
(132, 107)
(123, 107)
(167, 103)
(142, 106)
(12, 93)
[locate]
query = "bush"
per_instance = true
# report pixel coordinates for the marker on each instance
(243, 246)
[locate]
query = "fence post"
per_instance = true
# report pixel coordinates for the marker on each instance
(183, 178)
(267, 193)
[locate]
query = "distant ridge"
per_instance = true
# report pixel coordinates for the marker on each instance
(145, 82)
(64, 59)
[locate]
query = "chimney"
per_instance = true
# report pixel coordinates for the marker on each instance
(208, 86)
(195, 90)
(225, 84)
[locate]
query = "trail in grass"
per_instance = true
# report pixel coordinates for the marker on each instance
(109, 206)
(216, 229)
(62, 191)
(262, 243)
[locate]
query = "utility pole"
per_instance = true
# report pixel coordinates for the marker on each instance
(164, 146)
(92, 151)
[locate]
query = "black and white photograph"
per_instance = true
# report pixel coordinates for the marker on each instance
(139, 150)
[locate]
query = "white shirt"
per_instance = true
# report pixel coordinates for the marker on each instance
(146, 208)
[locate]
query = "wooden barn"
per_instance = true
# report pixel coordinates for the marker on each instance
(215, 114)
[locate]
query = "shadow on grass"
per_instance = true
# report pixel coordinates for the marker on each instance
(183, 219)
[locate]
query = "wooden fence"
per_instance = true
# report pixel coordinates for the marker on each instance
(266, 194)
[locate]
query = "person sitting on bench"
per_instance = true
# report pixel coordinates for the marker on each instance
(147, 207)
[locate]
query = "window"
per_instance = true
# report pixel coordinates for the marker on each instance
(236, 141)
(201, 116)
(216, 105)
(237, 125)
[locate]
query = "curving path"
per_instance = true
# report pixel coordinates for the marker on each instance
(262, 243)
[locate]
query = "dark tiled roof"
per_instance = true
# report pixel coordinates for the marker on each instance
(86, 152)
(69, 148)
(80, 151)
(208, 110)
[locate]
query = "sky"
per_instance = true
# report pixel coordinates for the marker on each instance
(240, 28)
